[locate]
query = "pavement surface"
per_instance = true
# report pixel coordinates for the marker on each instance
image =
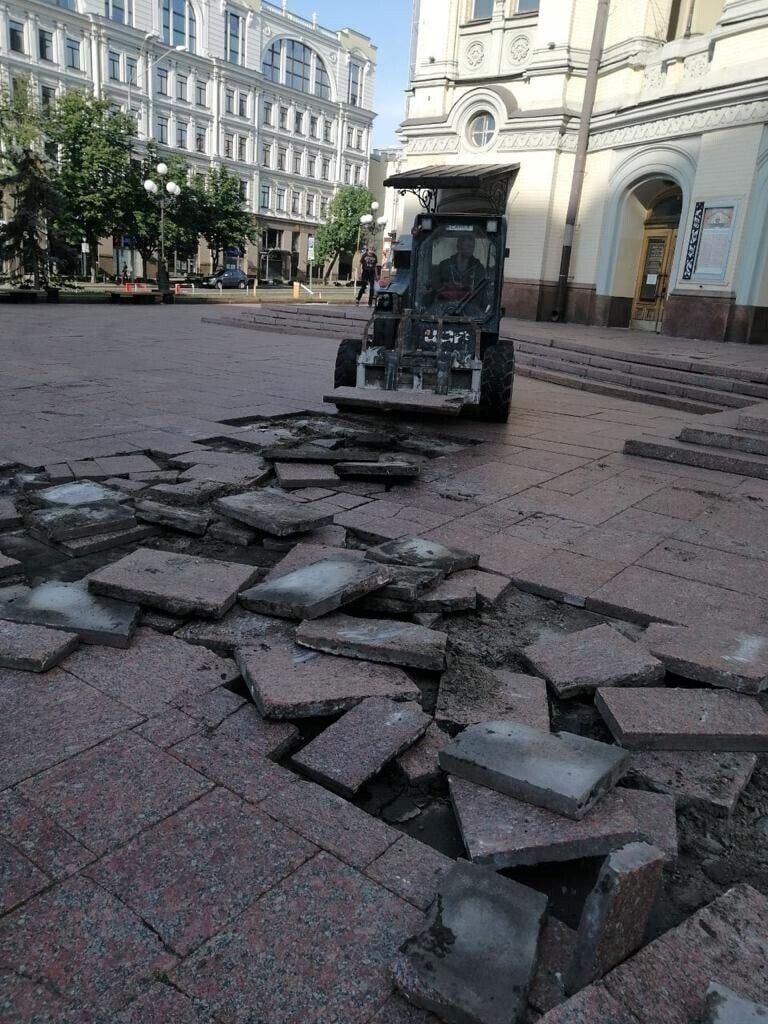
(193, 880)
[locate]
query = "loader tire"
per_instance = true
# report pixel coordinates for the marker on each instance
(496, 382)
(345, 374)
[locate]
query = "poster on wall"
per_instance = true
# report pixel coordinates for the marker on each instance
(709, 245)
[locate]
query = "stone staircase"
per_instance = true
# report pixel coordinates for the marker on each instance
(319, 320)
(731, 442)
(669, 381)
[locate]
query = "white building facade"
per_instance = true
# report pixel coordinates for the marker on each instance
(282, 102)
(672, 232)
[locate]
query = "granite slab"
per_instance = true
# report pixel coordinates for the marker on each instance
(713, 654)
(33, 648)
(695, 778)
(272, 512)
(396, 643)
(471, 693)
(80, 494)
(316, 589)
(427, 554)
(71, 607)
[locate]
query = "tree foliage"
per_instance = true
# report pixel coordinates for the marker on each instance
(215, 206)
(340, 233)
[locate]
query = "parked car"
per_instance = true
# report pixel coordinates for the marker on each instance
(231, 278)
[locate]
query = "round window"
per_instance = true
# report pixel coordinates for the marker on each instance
(482, 129)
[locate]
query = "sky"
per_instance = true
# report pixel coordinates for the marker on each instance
(388, 23)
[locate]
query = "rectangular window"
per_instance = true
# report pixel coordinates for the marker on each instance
(242, 104)
(48, 95)
(131, 72)
(527, 6)
(200, 140)
(16, 36)
(282, 158)
(295, 200)
(327, 131)
(350, 137)
(181, 87)
(323, 207)
(280, 204)
(46, 44)
(162, 81)
(201, 94)
(310, 167)
(118, 10)
(264, 197)
(234, 40)
(162, 130)
(73, 54)
(229, 101)
(241, 144)
(310, 205)
(283, 117)
(482, 10)
(357, 174)
(326, 170)
(267, 117)
(359, 139)
(355, 78)
(297, 163)
(298, 63)
(243, 189)
(347, 172)
(68, 4)
(228, 144)
(181, 135)
(113, 62)
(313, 126)
(266, 156)
(298, 122)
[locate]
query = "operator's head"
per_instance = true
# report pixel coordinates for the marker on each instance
(466, 245)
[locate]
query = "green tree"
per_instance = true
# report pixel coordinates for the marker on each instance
(27, 184)
(142, 220)
(214, 204)
(341, 232)
(95, 175)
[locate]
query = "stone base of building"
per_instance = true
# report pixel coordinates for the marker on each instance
(709, 317)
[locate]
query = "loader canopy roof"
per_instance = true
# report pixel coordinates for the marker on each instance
(459, 188)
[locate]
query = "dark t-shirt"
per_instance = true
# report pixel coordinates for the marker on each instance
(368, 265)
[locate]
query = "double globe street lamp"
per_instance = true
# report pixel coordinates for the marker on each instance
(165, 197)
(372, 223)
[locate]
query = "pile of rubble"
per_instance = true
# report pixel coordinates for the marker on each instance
(328, 620)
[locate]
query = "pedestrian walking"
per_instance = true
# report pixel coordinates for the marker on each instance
(368, 274)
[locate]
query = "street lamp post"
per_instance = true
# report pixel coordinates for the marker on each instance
(165, 198)
(365, 222)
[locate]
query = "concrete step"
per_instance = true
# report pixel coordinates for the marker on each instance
(615, 390)
(682, 453)
(726, 438)
(280, 327)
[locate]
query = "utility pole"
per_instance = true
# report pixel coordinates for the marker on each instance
(580, 162)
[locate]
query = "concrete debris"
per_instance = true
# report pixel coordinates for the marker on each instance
(71, 607)
(33, 648)
(695, 778)
(471, 693)
(616, 914)
(711, 654)
(600, 656)
(421, 762)
(175, 583)
(425, 553)
(180, 519)
(724, 1006)
(475, 957)
(561, 772)
(82, 494)
(316, 589)
(272, 512)
(356, 747)
(292, 476)
(395, 643)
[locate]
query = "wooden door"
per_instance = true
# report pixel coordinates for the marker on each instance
(653, 278)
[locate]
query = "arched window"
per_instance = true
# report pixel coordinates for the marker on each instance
(322, 81)
(482, 129)
(302, 69)
(298, 65)
(270, 66)
(179, 24)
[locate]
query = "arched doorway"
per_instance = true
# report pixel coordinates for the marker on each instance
(655, 209)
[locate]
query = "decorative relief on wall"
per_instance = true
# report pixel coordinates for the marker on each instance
(755, 111)
(696, 66)
(475, 54)
(537, 140)
(653, 78)
(519, 49)
(443, 144)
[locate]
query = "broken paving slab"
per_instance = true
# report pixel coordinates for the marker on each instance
(186, 494)
(9, 567)
(471, 693)
(356, 747)
(106, 541)
(408, 582)
(724, 1006)
(10, 518)
(718, 655)
(73, 608)
(580, 662)
(391, 469)
(238, 628)
(421, 762)
(395, 643)
(33, 648)
(428, 554)
(181, 519)
(561, 772)
(81, 494)
(317, 453)
(175, 583)
(474, 959)
(304, 553)
(653, 718)
(555, 954)
(616, 913)
(122, 465)
(271, 512)
(230, 532)
(315, 589)
(292, 476)
(288, 681)
(506, 833)
(695, 778)
(456, 594)
(59, 524)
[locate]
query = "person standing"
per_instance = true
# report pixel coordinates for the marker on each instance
(368, 273)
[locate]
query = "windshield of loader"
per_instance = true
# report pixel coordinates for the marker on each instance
(456, 270)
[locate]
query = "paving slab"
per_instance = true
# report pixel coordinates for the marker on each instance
(108, 958)
(238, 628)
(724, 1006)
(106, 541)
(565, 576)
(81, 494)
(397, 1010)
(288, 681)
(336, 952)
(106, 795)
(33, 648)
(562, 772)
(157, 671)
(187, 494)
(160, 622)
(272, 512)
(653, 718)
(181, 519)
(471, 693)
(409, 583)
(475, 957)
(19, 878)
(576, 663)
(36, 835)
(175, 583)
(427, 554)
(616, 914)
(293, 476)
(730, 658)
(504, 832)
(230, 532)
(315, 453)
(71, 607)
(356, 747)
(391, 469)
(396, 643)
(220, 852)
(162, 1004)
(490, 586)
(9, 567)
(9, 517)
(372, 529)
(592, 1005)
(456, 594)
(316, 589)
(122, 465)
(556, 949)
(411, 870)
(57, 524)
(224, 477)
(695, 778)
(421, 762)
